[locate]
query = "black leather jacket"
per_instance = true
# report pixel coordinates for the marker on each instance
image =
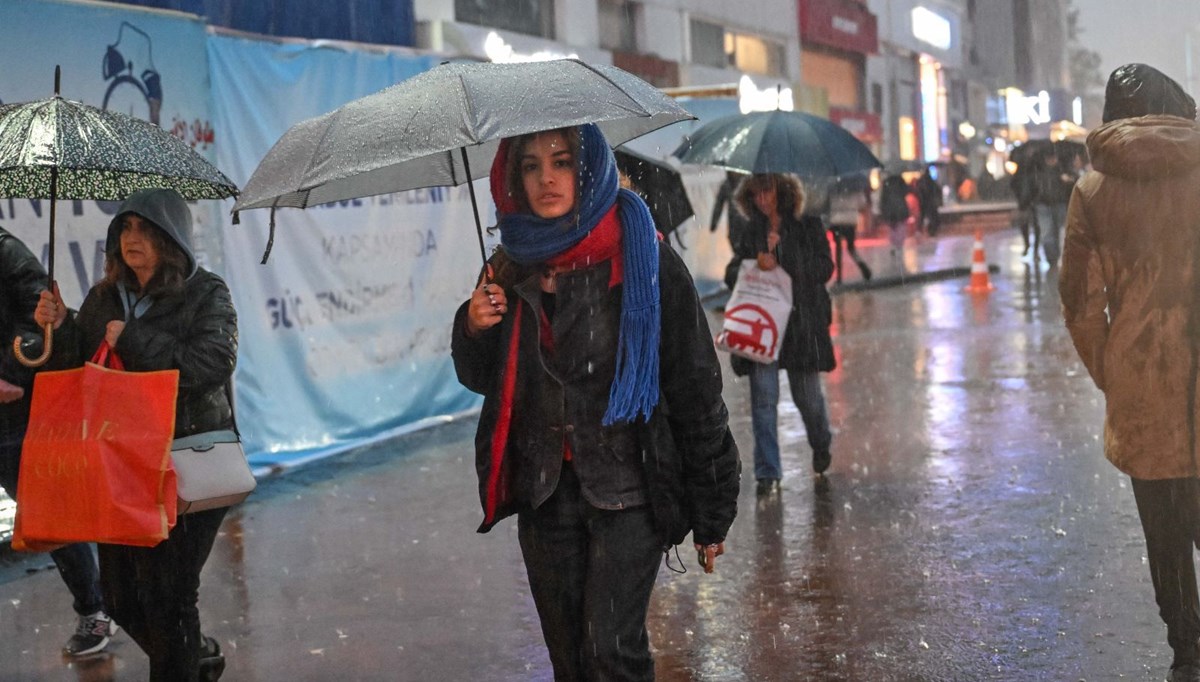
(682, 461)
(22, 278)
(194, 331)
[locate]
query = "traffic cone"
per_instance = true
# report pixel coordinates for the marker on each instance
(980, 284)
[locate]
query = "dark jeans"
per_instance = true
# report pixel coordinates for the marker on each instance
(847, 234)
(76, 563)
(591, 572)
(764, 415)
(1170, 514)
(152, 592)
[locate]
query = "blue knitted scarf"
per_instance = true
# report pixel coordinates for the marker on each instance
(530, 240)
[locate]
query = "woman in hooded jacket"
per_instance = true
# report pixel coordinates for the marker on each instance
(158, 310)
(603, 428)
(1129, 283)
(780, 235)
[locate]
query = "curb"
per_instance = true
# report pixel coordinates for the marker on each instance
(717, 299)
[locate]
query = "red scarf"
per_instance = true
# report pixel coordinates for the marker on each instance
(601, 244)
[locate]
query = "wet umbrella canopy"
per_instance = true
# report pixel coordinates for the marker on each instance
(442, 127)
(777, 142)
(59, 149)
(660, 185)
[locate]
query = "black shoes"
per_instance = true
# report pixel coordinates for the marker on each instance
(212, 663)
(766, 487)
(821, 460)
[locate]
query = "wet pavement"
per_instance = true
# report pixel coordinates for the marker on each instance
(969, 529)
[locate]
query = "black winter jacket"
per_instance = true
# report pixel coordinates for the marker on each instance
(22, 278)
(194, 332)
(803, 253)
(682, 461)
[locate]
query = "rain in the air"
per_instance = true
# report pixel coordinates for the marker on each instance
(628, 340)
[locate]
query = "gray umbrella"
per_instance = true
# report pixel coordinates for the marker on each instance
(59, 149)
(442, 127)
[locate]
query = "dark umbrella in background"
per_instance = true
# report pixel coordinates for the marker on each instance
(660, 185)
(777, 142)
(1067, 151)
(58, 149)
(443, 127)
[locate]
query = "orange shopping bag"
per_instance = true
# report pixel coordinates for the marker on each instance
(96, 461)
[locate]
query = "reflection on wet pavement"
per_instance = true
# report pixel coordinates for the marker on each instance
(969, 529)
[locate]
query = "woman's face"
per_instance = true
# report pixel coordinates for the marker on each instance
(137, 248)
(764, 199)
(548, 175)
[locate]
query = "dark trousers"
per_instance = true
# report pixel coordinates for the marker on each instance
(1170, 513)
(76, 563)
(846, 233)
(591, 572)
(152, 592)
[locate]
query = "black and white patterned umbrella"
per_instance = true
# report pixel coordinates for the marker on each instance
(59, 149)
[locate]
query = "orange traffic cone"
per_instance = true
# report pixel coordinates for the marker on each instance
(980, 284)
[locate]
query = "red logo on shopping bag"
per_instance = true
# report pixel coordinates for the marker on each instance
(758, 334)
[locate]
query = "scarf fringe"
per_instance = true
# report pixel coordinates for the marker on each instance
(634, 389)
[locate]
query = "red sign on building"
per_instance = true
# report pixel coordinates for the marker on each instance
(861, 124)
(842, 24)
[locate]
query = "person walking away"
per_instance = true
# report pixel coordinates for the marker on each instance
(22, 278)
(1025, 192)
(848, 202)
(1053, 183)
(893, 208)
(781, 236)
(621, 445)
(159, 310)
(929, 197)
(1129, 286)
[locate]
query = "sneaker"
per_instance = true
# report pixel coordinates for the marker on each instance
(91, 635)
(766, 486)
(1189, 672)
(821, 460)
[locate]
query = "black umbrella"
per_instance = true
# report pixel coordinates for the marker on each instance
(59, 149)
(442, 127)
(777, 142)
(660, 185)
(1067, 151)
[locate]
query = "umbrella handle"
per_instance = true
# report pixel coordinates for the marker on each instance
(47, 347)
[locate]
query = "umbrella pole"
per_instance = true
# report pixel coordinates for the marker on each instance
(48, 329)
(474, 205)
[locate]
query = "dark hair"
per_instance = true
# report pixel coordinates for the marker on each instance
(1139, 90)
(512, 165)
(172, 264)
(789, 193)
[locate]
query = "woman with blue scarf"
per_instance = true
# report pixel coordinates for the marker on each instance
(603, 428)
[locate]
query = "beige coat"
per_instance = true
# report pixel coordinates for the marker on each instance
(1130, 287)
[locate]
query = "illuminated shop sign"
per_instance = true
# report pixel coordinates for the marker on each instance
(931, 27)
(500, 51)
(770, 98)
(1042, 108)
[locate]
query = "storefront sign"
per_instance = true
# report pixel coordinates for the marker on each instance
(862, 124)
(932, 28)
(770, 98)
(839, 24)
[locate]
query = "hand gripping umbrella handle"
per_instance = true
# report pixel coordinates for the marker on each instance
(47, 346)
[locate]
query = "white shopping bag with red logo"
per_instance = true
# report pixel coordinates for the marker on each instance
(757, 313)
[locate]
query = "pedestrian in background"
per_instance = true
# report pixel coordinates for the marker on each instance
(22, 279)
(159, 310)
(603, 426)
(724, 204)
(929, 197)
(1025, 192)
(780, 235)
(1053, 183)
(1129, 283)
(849, 204)
(893, 209)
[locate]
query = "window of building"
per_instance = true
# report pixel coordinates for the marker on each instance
(532, 17)
(618, 25)
(713, 45)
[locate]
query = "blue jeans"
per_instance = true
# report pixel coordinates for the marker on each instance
(76, 563)
(591, 572)
(1050, 219)
(764, 403)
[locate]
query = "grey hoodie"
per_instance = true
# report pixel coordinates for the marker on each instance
(167, 210)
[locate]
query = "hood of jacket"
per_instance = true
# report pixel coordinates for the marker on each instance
(167, 210)
(787, 183)
(1146, 147)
